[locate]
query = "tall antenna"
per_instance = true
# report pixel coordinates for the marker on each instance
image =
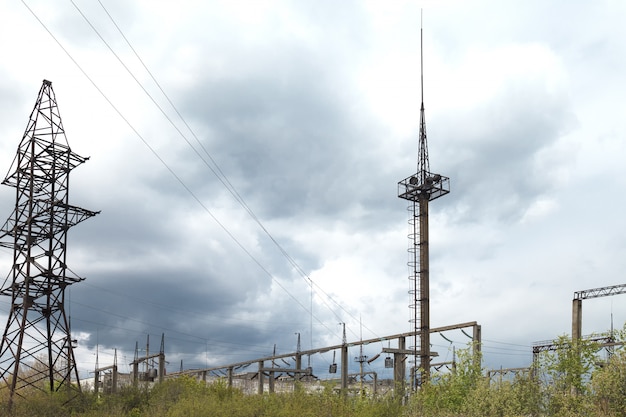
(419, 189)
(422, 57)
(36, 350)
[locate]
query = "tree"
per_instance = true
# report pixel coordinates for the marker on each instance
(609, 381)
(565, 373)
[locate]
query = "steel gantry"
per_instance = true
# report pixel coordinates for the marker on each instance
(577, 304)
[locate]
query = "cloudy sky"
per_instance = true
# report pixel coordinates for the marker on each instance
(267, 158)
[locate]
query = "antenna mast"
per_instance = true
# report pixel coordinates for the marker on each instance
(419, 189)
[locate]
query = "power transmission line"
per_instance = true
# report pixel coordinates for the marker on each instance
(164, 163)
(215, 168)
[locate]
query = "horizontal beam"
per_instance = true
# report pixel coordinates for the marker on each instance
(603, 341)
(145, 358)
(286, 370)
(434, 365)
(408, 352)
(600, 292)
(365, 373)
(106, 368)
(507, 370)
(329, 348)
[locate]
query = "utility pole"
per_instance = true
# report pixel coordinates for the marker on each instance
(419, 189)
(344, 361)
(298, 357)
(361, 359)
(36, 349)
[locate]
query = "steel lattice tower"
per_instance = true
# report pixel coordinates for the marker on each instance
(36, 350)
(419, 189)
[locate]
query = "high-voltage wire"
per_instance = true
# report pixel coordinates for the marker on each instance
(172, 172)
(215, 169)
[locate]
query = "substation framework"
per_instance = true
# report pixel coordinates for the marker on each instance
(36, 350)
(577, 304)
(151, 373)
(111, 372)
(272, 372)
(549, 345)
(398, 362)
(602, 341)
(498, 375)
(106, 378)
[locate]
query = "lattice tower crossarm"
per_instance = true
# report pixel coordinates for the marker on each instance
(36, 351)
(419, 189)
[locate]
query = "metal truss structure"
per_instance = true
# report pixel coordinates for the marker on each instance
(548, 346)
(506, 372)
(419, 189)
(602, 341)
(36, 351)
(600, 292)
(577, 304)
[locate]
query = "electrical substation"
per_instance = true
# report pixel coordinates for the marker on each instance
(37, 347)
(37, 344)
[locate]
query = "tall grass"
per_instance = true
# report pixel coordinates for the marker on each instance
(567, 382)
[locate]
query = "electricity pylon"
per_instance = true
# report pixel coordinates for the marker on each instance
(36, 351)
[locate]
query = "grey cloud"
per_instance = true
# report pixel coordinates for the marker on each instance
(498, 175)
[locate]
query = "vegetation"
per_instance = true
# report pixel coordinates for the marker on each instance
(565, 382)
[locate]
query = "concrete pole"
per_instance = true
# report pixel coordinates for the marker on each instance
(298, 365)
(260, 375)
(375, 383)
(344, 369)
(114, 381)
(476, 336)
(577, 319)
(399, 368)
(477, 339)
(161, 367)
(230, 377)
(135, 374)
(577, 328)
(271, 382)
(96, 383)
